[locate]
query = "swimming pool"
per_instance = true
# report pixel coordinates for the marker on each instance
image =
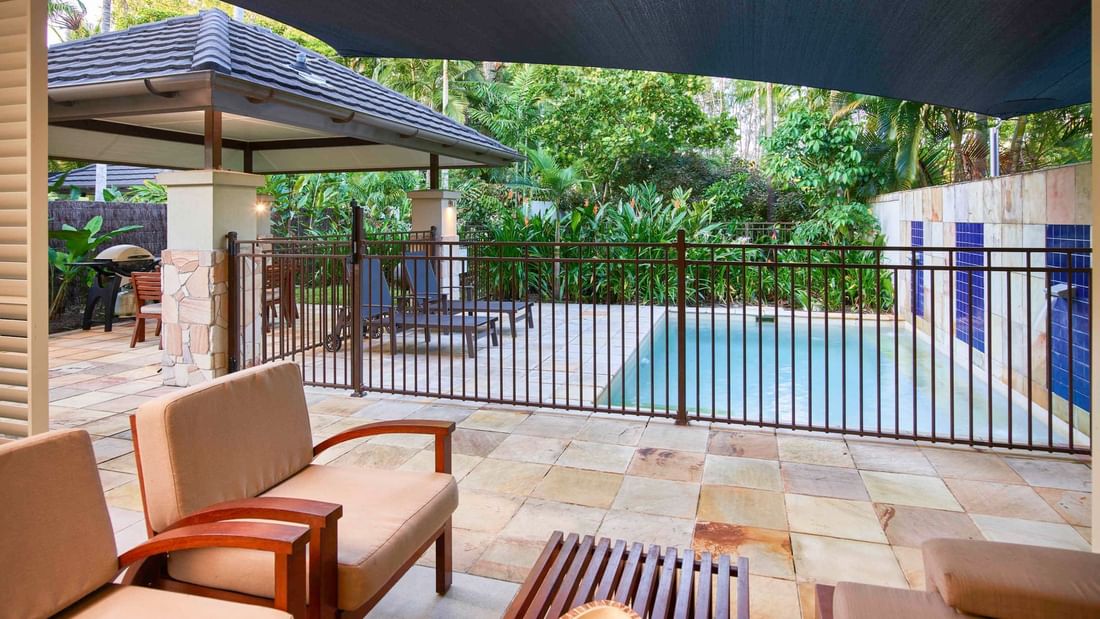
(807, 373)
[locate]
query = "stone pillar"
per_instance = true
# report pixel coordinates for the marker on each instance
(439, 208)
(203, 206)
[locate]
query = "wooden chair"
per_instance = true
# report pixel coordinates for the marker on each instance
(278, 296)
(58, 555)
(147, 298)
(241, 447)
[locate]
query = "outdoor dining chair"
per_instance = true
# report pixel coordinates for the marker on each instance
(147, 303)
(424, 287)
(60, 560)
(241, 447)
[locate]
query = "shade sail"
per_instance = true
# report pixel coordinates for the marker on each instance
(996, 57)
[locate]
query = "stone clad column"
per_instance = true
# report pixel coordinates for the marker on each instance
(203, 206)
(439, 208)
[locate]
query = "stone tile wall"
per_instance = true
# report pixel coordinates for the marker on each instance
(1015, 211)
(195, 315)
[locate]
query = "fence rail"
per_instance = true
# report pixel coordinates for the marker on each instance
(981, 346)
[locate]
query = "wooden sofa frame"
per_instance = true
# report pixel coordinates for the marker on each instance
(321, 518)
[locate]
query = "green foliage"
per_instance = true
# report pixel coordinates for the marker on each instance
(816, 155)
(689, 170)
(80, 245)
(318, 204)
(148, 192)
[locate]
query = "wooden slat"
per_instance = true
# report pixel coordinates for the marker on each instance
(742, 587)
(11, 393)
(686, 585)
(13, 360)
(722, 582)
(546, 590)
(596, 566)
(631, 575)
(703, 590)
(572, 576)
(611, 574)
(666, 584)
(13, 411)
(521, 602)
(648, 583)
(13, 427)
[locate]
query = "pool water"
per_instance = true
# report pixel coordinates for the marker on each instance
(750, 371)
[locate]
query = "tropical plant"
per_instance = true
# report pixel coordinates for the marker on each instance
(148, 192)
(79, 246)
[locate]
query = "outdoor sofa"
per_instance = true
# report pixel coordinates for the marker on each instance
(60, 560)
(968, 578)
(424, 287)
(241, 447)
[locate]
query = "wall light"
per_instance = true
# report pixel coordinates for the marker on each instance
(263, 203)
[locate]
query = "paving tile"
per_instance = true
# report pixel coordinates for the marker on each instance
(110, 448)
(773, 598)
(1086, 532)
(470, 597)
(744, 506)
(1008, 500)
(834, 517)
(505, 476)
(508, 559)
(912, 526)
(743, 444)
(744, 472)
(657, 496)
(647, 529)
(829, 560)
(830, 481)
(131, 536)
(424, 460)
(475, 442)
(1053, 473)
(890, 458)
(554, 426)
(804, 450)
(597, 456)
(106, 426)
(667, 464)
(911, 562)
(338, 406)
(121, 464)
(579, 486)
(375, 456)
(445, 412)
(403, 439)
(495, 420)
(1014, 530)
(537, 519)
(485, 511)
(1074, 507)
(768, 550)
(966, 464)
(124, 404)
(614, 431)
(523, 448)
(122, 518)
(672, 436)
(126, 496)
(113, 479)
(915, 490)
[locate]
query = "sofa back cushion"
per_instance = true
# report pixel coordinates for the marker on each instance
(57, 543)
(230, 438)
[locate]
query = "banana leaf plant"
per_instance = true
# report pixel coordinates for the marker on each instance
(79, 246)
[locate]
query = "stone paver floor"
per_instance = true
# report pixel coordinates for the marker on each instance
(804, 507)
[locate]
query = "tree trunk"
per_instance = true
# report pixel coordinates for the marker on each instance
(1016, 151)
(105, 24)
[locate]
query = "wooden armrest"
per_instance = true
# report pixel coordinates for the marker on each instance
(440, 429)
(288, 543)
(317, 514)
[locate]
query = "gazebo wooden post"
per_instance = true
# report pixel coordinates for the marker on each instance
(212, 139)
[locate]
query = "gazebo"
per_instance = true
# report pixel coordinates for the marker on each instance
(225, 102)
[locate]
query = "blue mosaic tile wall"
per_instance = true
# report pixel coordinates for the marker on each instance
(970, 286)
(917, 240)
(1070, 311)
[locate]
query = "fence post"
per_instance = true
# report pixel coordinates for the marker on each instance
(681, 328)
(355, 304)
(233, 251)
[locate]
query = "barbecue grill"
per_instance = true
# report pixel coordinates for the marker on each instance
(111, 266)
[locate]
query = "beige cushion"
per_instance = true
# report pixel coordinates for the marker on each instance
(857, 601)
(1013, 581)
(119, 602)
(230, 438)
(388, 515)
(57, 543)
(151, 308)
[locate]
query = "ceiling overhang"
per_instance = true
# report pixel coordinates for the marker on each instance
(160, 122)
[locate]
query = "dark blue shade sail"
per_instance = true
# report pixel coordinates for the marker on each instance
(996, 57)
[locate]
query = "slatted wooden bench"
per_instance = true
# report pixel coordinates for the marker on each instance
(572, 571)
